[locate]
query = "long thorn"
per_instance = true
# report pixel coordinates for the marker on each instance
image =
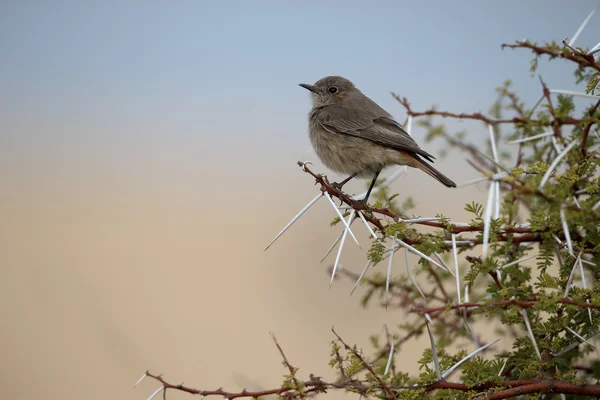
(417, 252)
(571, 93)
(530, 332)
(570, 280)
(455, 253)
(487, 221)
(369, 262)
(414, 282)
(160, 389)
(580, 29)
(578, 336)
(362, 217)
(339, 253)
(446, 267)
(434, 354)
(497, 199)
(554, 163)
(141, 379)
(530, 138)
(565, 226)
(471, 354)
(582, 272)
(341, 217)
(333, 245)
(576, 344)
(517, 261)
(306, 207)
(389, 361)
(389, 271)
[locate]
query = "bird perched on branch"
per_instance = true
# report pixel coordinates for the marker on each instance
(351, 134)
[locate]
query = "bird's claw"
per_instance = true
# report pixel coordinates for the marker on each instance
(339, 189)
(365, 204)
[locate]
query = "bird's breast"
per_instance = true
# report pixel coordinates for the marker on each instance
(345, 153)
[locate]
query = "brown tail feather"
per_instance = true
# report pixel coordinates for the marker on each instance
(428, 169)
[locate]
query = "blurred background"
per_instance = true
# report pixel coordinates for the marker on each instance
(148, 155)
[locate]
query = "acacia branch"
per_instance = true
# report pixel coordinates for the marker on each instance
(582, 59)
(367, 366)
(317, 385)
(483, 118)
(504, 234)
(503, 303)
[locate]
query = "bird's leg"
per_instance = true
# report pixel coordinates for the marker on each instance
(339, 186)
(364, 201)
(342, 183)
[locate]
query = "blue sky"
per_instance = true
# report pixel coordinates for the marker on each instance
(124, 79)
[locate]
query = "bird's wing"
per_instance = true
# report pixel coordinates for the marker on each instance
(381, 130)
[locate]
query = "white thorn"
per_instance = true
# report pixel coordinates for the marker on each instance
(389, 270)
(415, 220)
(339, 253)
(493, 142)
(446, 267)
(362, 217)
(389, 361)
(455, 253)
(558, 148)
(535, 346)
(594, 49)
(160, 389)
(341, 217)
(497, 202)
(417, 252)
(571, 93)
(306, 207)
(576, 344)
(434, 354)
(579, 336)
(565, 226)
(333, 245)
(555, 163)
(503, 366)
(486, 221)
(414, 282)
(583, 283)
(568, 286)
(576, 202)
(517, 261)
(141, 379)
(580, 29)
(474, 181)
(473, 353)
(596, 206)
(369, 262)
(529, 138)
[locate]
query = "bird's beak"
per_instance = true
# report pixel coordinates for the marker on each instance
(309, 87)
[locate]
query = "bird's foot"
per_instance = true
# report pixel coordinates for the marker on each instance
(365, 204)
(339, 186)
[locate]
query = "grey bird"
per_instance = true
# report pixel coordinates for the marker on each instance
(351, 134)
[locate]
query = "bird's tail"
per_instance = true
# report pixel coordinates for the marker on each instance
(428, 169)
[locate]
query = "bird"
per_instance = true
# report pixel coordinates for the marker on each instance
(351, 134)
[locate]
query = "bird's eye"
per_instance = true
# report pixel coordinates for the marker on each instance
(332, 90)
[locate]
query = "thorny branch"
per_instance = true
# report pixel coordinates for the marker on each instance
(317, 385)
(527, 234)
(505, 303)
(582, 59)
(507, 385)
